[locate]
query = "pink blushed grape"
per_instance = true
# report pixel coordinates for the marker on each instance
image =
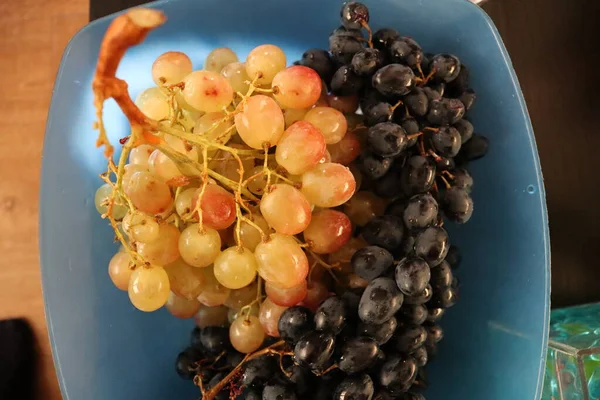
(207, 91)
(281, 261)
(286, 209)
(286, 297)
(329, 121)
(328, 185)
(328, 231)
(269, 317)
(300, 148)
(217, 206)
(297, 87)
(346, 150)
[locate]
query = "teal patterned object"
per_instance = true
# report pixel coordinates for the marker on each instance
(573, 363)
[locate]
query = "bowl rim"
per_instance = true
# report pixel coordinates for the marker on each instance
(541, 192)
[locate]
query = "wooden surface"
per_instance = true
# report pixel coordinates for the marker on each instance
(33, 35)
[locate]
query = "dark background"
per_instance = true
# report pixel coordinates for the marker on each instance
(554, 46)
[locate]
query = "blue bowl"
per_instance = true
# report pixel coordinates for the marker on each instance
(495, 338)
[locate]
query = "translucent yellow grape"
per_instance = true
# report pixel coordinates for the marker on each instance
(129, 170)
(153, 103)
(183, 203)
(260, 122)
(297, 87)
(149, 193)
(246, 334)
(286, 209)
(149, 288)
(163, 250)
(281, 261)
(219, 58)
(141, 227)
(140, 154)
(264, 62)
(249, 235)
(186, 281)
(119, 270)
(300, 148)
(181, 307)
(235, 268)
(181, 146)
(163, 166)
(259, 182)
(101, 199)
(292, 115)
(199, 249)
(228, 166)
(170, 68)
(237, 76)
(329, 121)
(213, 293)
(328, 185)
(215, 127)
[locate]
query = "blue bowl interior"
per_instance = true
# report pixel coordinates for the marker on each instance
(495, 337)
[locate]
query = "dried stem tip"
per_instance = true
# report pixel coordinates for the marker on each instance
(127, 30)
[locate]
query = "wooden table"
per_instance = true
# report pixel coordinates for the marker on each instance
(33, 35)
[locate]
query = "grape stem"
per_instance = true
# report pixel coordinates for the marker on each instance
(420, 71)
(369, 31)
(435, 156)
(448, 174)
(212, 393)
(423, 81)
(126, 30)
(422, 146)
(328, 370)
(448, 186)
(434, 130)
(414, 135)
(399, 103)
